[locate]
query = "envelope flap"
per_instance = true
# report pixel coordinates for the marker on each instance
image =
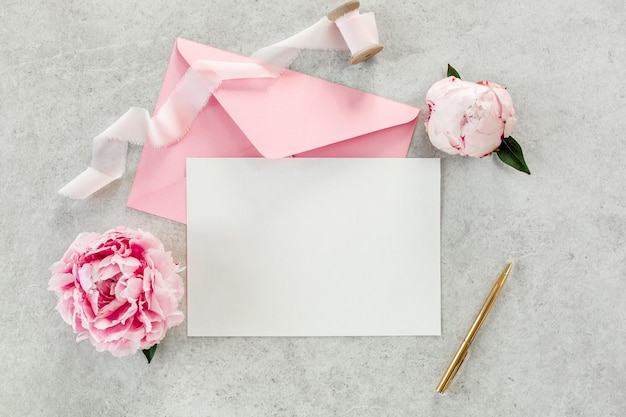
(295, 112)
(194, 51)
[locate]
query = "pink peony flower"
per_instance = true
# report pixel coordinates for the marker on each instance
(119, 289)
(467, 118)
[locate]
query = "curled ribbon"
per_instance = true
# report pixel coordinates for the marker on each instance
(343, 29)
(166, 127)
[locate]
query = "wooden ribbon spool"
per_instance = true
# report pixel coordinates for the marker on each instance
(364, 53)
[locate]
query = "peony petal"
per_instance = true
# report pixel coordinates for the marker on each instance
(110, 334)
(128, 289)
(111, 308)
(128, 262)
(482, 144)
(60, 281)
(109, 272)
(82, 336)
(82, 308)
(154, 305)
(144, 317)
(158, 333)
(441, 138)
(79, 245)
(507, 110)
(175, 319)
(94, 299)
(136, 331)
(126, 347)
(119, 347)
(119, 316)
(84, 276)
(144, 241)
(66, 310)
(167, 300)
(175, 283)
(130, 312)
(161, 261)
(60, 267)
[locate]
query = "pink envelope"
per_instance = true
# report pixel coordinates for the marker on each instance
(294, 115)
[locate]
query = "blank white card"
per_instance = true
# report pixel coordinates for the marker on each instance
(313, 247)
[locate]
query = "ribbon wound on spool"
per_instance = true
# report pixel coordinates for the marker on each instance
(358, 31)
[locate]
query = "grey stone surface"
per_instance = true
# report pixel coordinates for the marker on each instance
(554, 344)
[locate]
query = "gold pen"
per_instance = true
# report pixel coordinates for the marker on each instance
(461, 352)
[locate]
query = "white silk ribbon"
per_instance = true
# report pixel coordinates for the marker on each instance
(172, 121)
(322, 35)
(174, 118)
(169, 125)
(109, 154)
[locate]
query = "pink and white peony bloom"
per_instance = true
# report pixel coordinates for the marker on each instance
(119, 289)
(468, 118)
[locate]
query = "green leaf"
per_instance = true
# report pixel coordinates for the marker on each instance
(510, 153)
(452, 72)
(149, 352)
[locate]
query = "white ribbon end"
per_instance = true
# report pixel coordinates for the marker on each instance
(86, 183)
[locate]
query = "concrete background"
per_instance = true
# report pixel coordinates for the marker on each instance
(554, 344)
